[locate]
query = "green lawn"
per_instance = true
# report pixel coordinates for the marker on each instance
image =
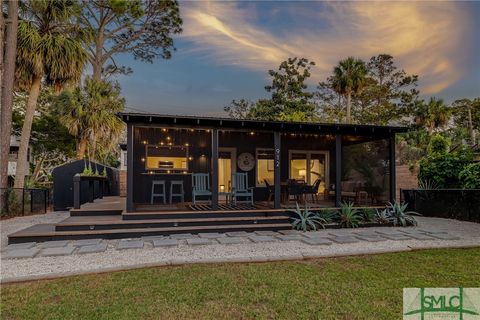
(368, 287)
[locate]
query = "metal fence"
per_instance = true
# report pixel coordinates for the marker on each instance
(19, 202)
(461, 204)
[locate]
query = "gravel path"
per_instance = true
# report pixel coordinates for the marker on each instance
(114, 259)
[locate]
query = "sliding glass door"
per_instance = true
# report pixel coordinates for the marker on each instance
(309, 166)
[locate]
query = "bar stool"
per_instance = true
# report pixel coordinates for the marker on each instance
(180, 193)
(162, 194)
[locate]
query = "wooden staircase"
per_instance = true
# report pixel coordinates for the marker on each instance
(112, 223)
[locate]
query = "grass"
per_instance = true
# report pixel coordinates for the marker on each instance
(366, 287)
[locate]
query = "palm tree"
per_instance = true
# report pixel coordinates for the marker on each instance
(8, 45)
(432, 115)
(349, 78)
(50, 48)
(89, 113)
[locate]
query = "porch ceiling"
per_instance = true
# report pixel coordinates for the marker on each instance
(272, 126)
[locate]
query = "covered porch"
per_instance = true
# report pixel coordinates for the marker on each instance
(180, 163)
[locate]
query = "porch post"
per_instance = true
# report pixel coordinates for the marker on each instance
(214, 169)
(393, 182)
(276, 174)
(338, 170)
(130, 157)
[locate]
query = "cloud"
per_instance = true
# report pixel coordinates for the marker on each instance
(424, 37)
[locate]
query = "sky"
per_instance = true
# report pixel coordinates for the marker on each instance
(227, 47)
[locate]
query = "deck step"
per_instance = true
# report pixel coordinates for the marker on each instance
(106, 223)
(203, 215)
(46, 232)
(95, 212)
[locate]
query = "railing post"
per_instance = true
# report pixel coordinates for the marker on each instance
(338, 170)
(393, 183)
(31, 201)
(214, 169)
(277, 169)
(23, 202)
(76, 191)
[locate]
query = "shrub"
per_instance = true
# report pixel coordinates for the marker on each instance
(369, 214)
(443, 169)
(306, 220)
(439, 145)
(470, 176)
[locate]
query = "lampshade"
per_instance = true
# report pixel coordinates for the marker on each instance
(302, 173)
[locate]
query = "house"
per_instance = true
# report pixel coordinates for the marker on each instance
(201, 163)
(12, 158)
(189, 174)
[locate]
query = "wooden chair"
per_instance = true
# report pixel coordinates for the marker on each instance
(271, 191)
(313, 190)
(200, 186)
(240, 187)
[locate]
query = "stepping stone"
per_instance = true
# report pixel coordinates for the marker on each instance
(389, 232)
(374, 238)
(57, 251)
(344, 239)
(151, 238)
(314, 235)
(445, 236)
(183, 236)
(397, 236)
(129, 244)
(200, 241)
(317, 241)
(258, 239)
(54, 244)
(100, 247)
(290, 232)
(421, 236)
(21, 253)
(87, 242)
(290, 237)
(433, 231)
(211, 235)
(26, 245)
(232, 240)
(237, 234)
(165, 243)
(266, 233)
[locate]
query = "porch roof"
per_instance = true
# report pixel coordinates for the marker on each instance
(241, 124)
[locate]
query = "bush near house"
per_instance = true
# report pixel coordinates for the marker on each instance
(470, 176)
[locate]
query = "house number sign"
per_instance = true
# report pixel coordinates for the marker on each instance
(277, 158)
(246, 161)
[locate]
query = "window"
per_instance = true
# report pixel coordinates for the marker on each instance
(265, 166)
(166, 158)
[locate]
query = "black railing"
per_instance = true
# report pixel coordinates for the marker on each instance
(92, 194)
(19, 202)
(461, 204)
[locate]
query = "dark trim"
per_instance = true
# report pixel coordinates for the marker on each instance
(269, 126)
(392, 159)
(338, 170)
(277, 169)
(130, 156)
(214, 185)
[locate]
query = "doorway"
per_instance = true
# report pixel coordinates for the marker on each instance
(226, 167)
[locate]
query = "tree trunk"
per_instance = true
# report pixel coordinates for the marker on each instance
(22, 162)
(8, 79)
(349, 107)
(98, 58)
(81, 148)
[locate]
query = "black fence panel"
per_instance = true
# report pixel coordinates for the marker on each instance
(63, 184)
(18, 202)
(444, 203)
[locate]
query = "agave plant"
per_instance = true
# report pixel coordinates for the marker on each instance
(306, 220)
(329, 215)
(427, 185)
(399, 215)
(350, 217)
(369, 214)
(384, 216)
